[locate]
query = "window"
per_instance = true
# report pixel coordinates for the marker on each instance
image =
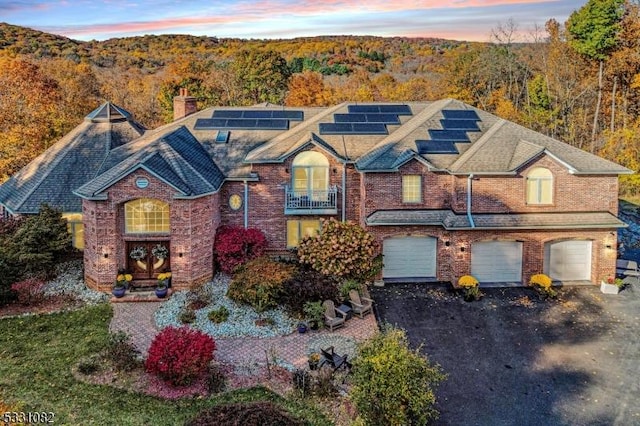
(75, 228)
(310, 175)
(146, 216)
(411, 189)
(539, 186)
(298, 229)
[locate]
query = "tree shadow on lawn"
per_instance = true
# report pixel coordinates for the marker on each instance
(513, 359)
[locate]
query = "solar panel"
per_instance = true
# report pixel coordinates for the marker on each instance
(366, 118)
(353, 129)
(449, 135)
(436, 147)
(222, 136)
(241, 124)
(398, 109)
(460, 114)
(468, 125)
(294, 115)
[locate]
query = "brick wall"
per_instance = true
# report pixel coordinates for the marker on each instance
(192, 225)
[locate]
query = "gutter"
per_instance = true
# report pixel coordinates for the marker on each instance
(344, 192)
(469, 188)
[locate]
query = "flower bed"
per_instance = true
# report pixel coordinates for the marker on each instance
(240, 323)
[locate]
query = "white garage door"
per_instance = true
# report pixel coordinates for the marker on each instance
(409, 257)
(497, 261)
(568, 260)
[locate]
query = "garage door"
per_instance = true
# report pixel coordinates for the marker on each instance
(409, 257)
(497, 261)
(568, 260)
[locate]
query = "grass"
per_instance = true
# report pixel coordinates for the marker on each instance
(38, 352)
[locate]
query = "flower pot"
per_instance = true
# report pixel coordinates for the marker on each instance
(161, 293)
(313, 365)
(607, 288)
(118, 291)
(302, 328)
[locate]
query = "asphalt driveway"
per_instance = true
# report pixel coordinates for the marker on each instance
(513, 359)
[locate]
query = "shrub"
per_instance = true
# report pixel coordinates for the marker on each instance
(542, 283)
(307, 286)
(347, 286)
(187, 315)
(121, 351)
(259, 283)
(40, 241)
(88, 366)
(29, 291)
(392, 384)
(179, 355)
(235, 246)
(343, 249)
(216, 380)
(218, 315)
(469, 285)
(245, 414)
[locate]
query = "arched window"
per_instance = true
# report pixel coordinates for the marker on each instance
(539, 186)
(146, 216)
(310, 175)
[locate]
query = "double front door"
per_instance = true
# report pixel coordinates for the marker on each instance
(147, 259)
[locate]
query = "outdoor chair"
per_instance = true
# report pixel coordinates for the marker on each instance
(360, 305)
(331, 358)
(627, 268)
(331, 318)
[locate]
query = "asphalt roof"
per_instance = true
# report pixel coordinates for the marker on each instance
(109, 144)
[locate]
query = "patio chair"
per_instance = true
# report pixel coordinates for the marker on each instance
(331, 318)
(360, 305)
(331, 358)
(627, 268)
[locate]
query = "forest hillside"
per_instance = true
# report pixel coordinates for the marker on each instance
(577, 81)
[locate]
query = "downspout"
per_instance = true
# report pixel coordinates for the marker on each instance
(246, 204)
(344, 191)
(469, 187)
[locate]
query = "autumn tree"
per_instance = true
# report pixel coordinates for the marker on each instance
(593, 31)
(262, 75)
(307, 89)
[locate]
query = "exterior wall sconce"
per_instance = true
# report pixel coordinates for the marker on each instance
(609, 246)
(106, 255)
(286, 170)
(462, 249)
(105, 252)
(447, 243)
(180, 254)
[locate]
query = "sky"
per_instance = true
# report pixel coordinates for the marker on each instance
(471, 20)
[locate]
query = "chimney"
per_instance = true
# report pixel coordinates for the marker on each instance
(183, 104)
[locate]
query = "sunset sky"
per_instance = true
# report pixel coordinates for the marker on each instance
(450, 19)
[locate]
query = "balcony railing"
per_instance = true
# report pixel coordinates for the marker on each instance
(311, 202)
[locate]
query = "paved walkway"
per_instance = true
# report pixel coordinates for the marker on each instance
(136, 319)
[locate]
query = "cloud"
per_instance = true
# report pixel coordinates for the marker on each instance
(22, 6)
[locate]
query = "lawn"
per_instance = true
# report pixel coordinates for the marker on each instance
(37, 354)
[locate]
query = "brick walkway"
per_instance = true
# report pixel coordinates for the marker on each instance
(136, 319)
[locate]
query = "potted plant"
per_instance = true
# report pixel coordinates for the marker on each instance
(314, 361)
(302, 327)
(314, 311)
(542, 284)
(346, 287)
(121, 284)
(470, 289)
(611, 285)
(162, 287)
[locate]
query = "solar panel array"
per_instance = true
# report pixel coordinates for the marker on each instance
(249, 119)
(398, 109)
(436, 147)
(353, 129)
(365, 120)
(241, 124)
(455, 125)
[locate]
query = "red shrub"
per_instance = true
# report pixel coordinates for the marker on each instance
(180, 355)
(29, 291)
(235, 246)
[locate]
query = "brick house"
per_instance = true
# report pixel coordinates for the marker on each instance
(446, 188)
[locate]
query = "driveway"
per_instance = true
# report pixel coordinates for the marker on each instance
(512, 359)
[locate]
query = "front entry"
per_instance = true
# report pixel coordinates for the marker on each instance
(147, 259)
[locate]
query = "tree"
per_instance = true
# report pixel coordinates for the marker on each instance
(593, 33)
(307, 89)
(262, 75)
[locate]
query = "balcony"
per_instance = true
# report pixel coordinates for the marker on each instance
(311, 202)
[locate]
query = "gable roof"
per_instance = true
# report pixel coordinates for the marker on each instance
(175, 156)
(53, 175)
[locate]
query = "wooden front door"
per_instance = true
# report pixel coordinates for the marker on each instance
(147, 259)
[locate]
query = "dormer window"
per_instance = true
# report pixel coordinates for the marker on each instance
(539, 186)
